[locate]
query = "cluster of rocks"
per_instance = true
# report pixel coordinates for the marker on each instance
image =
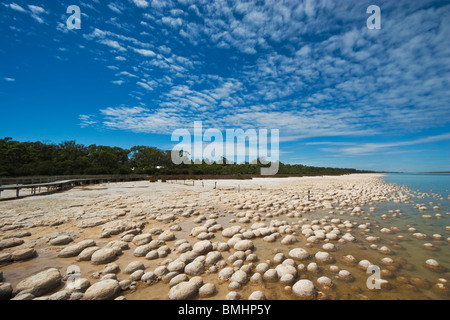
(221, 242)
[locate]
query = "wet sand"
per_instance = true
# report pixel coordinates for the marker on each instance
(360, 205)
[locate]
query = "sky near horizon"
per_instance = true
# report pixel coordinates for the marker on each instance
(341, 94)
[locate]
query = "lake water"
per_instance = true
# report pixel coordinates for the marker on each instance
(429, 190)
(408, 277)
(437, 182)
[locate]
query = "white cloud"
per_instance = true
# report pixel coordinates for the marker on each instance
(9, 79)
(16, 7)
(379, 147)
(112, 44)
(116, 7)
(315, 69)
(141, 3)
(36, 9)
(145, 52)
(87, 120)
(172, 22)
(144, 85)
(126, 74)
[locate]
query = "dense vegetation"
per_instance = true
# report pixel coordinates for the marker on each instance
(69, 158)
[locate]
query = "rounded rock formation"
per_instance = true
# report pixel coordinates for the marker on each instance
(299, 254)
(40, 283)
(304, 288)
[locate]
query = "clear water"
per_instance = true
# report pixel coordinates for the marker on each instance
(408, 279)
(424, 182)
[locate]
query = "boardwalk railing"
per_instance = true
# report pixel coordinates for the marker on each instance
(60, 183)
(46, 179)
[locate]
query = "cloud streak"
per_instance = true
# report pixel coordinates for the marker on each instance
(353, 149)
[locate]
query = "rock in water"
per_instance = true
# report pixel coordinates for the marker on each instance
(183, 291)
(86, 254)
(40, 283)
(304, 288)
(240, 277)
(103, 290)
(142, 239)
(202, 247)
(289, 239)
(257, 295)
(324, 257)
(243, 245)
(75, 249)
(103, 256)
(299, 254)
(23, 254)
(207, 290)
(61, 240)
(194, 268)
(433, 264)
(5, 291)
(134, 266)
(10, 242)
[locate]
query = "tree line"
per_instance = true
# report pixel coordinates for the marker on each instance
(19, 159)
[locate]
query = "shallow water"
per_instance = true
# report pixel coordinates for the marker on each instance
(408, 278)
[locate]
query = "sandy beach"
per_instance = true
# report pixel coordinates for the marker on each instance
(268, 238)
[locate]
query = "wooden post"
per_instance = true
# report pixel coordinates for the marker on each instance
(17, 192)
(309, 195)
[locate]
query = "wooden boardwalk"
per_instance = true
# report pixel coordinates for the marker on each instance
(62, 185)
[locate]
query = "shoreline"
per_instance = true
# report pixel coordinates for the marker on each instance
(271, 215)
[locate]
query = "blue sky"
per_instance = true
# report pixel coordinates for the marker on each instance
(342, 95)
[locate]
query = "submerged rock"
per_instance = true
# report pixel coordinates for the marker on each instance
(24, 254)
(75, 249)
(10, 242)
(103, 256)
(40, 283)
(183, 291)
(304, 288)
(299, 254)
(103, 290)
(433, 264)
(202, 247)
(61, 240)
(207, 290)
(257, 295)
